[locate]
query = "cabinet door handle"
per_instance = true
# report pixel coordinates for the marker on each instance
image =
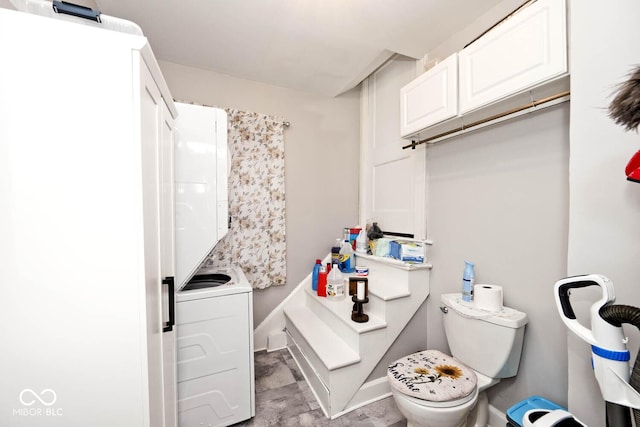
(172, 312)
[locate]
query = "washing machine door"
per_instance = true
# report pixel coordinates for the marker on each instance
(204, 281)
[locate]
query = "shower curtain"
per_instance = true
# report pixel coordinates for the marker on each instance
(256, 238)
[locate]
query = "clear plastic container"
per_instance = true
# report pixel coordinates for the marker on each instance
(335, 284)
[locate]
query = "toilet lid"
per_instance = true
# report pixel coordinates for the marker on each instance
(432, 375)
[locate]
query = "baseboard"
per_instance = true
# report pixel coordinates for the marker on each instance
(274, 322)
(276, 341)
(370, 392)
(497, 418)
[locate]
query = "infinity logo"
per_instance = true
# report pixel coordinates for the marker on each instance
(41, 397)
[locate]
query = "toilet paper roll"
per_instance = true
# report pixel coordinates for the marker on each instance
(487, 297)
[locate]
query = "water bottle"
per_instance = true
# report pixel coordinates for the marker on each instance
(314, 275)
(468, 279)
(335, 284)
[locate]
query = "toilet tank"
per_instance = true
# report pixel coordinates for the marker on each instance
(488, 342)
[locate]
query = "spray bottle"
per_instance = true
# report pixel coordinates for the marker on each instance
(362, 245)
(468, 280)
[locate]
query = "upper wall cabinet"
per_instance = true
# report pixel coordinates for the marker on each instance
(520, 61)
(431, 98)
(523, 51)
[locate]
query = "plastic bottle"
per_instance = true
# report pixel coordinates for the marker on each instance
(362, 245)
(322, 281)
(314, 275)
(335, 284)
(468, 280)
(335, 252)
(347, 260)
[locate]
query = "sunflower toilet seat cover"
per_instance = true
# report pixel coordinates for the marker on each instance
(432, 375)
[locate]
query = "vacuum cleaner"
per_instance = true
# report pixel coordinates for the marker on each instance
(610, 357)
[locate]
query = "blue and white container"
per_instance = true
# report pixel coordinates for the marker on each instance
(468, 280)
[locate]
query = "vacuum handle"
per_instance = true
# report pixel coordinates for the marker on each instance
(562, 288)
(563, 295)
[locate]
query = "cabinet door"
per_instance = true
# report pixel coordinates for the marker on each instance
(167, 266)
(431, 98)
(520, 53)
(150, 131)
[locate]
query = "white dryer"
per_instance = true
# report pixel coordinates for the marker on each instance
(214, 309)
(214, 320)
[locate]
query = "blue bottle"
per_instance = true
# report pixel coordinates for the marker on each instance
(315, 274)
(468, 279)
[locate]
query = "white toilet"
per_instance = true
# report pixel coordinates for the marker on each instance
(433, 389)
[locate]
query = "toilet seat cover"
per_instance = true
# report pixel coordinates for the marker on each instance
(432, 375)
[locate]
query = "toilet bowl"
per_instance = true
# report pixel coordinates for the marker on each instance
(423, 413)
(433, 389)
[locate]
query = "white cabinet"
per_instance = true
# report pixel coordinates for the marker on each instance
(520, 60)
(431, 98)
(86, 226)
(523, 51)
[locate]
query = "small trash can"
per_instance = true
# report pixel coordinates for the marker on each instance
(515, 414)
(550, 418)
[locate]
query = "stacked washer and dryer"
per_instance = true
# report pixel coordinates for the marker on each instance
(214, 307)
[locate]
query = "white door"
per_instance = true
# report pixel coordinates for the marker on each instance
(150, 131)
(392, 179)
(167, 267)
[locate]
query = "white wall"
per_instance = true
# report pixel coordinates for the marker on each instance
(604, 221)
(499, 197)
(321, 161)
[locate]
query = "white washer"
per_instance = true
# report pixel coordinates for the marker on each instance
(214, 322)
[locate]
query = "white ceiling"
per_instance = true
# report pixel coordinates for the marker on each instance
(320, 46)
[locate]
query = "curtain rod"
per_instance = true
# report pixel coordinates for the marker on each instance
(530, 107)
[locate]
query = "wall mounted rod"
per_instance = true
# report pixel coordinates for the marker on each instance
(527, 108)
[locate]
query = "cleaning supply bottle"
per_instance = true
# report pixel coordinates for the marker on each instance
(347, 260)
(335, 252)
(314, 274)
(322, 281)
(468, 280)
(362, 245)
(335, 284)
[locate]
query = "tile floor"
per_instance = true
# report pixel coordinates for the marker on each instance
(283, 398)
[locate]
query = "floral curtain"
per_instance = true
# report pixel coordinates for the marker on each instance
(256, 237)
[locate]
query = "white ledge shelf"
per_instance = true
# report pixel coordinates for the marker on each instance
(395, 262)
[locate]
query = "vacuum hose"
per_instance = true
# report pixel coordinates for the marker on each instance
(617, 315)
